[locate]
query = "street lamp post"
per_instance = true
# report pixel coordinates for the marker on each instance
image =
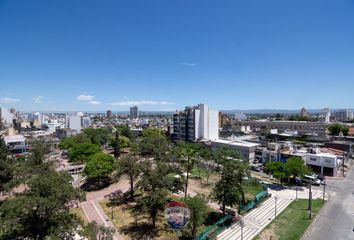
(324, 189)
(296, 192)
(242, 224)
(310, 202)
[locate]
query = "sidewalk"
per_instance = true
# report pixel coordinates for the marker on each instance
(256, 220)
(93, 210)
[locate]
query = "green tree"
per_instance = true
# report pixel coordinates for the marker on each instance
(97, 136)
(227, 190)
(93, 231)
(99, 165)
(199, 211)
(155, 185)
(81, 152)
(115, 143)
(38, 151)
(188, 154)
(70, 142)
(335, 129)
(154, 143)
(41, 211)
(130, 166)
(6, 169)
(277, 169)
(125, 131)
(225, 156)
(208, 164)
(296, 167)
(345, 130)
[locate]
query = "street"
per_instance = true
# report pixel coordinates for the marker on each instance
(336, 221)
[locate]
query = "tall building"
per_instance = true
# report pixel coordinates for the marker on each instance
(343, 115)
(303, 112)
(196, 123)
(74, 122)
(109, 114)
(223, 120)
(6, 117)
(134, 112)
(325, 115)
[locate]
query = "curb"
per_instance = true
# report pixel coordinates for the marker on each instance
(304, 236)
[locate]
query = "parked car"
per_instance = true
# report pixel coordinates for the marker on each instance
(311, 179)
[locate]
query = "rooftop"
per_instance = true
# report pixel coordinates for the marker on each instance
(236, 143)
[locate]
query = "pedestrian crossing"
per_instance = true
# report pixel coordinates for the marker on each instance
(256, 220)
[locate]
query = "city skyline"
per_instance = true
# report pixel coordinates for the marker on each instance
(164, 56)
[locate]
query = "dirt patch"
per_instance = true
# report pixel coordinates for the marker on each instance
(132, 226)
(269, 234)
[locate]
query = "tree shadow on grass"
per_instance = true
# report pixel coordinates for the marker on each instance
(212, 218)
(140, 230)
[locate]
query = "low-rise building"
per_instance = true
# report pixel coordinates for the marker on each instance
(246, 149)
(15, 144)
(323, 163)
(303, 128)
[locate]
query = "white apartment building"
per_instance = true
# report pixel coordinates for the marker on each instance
(196, 123)
(343, 115)
(6, 117)
(74, 122)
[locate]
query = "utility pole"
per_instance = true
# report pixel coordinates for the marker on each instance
(296, 192)
(310, 202)
(343, 164)
(324, 189)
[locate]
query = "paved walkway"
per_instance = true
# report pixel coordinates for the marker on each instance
(94, 211)
(256, 220)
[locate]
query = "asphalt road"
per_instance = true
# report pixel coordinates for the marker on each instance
(336, 221)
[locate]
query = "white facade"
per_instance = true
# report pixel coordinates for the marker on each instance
(6, 117)
(86, 122)
(206, 123)
(343, 115)
(323, 161)
(246, 149)
(74, 123)
(325, 115)
(213, 125)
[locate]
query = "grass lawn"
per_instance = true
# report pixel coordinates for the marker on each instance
(292, 223)
(251, 189)
(80, 213)
(133, 226)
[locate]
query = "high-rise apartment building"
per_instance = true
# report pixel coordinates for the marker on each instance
(343, 115)
(74, 122)
(109, 114)
(134, 112)
(6, 117)
(196, 123)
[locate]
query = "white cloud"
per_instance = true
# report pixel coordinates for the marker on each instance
(38, 99)
(84, 97)
(188, 64)
(142, 102)
(9, 100)
(95, 102)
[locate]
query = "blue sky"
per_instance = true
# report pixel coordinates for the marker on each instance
(166, 54)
